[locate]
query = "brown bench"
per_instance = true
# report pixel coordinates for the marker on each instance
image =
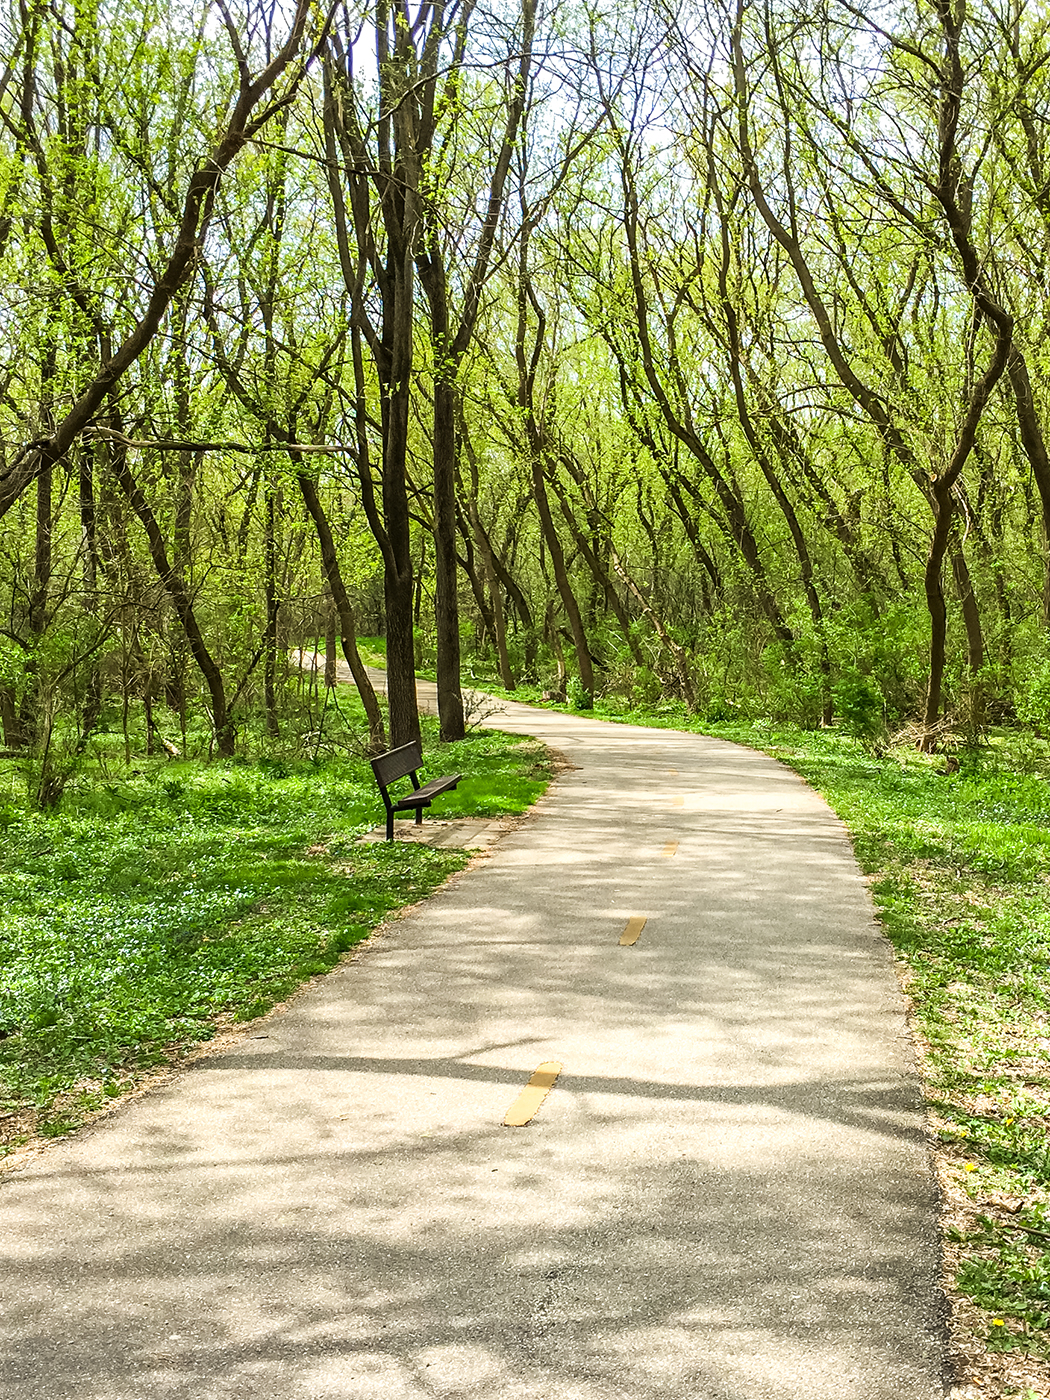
(406, 762)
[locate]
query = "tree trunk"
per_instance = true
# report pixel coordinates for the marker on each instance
(449, 347)
(446, 582)
(330, 675)
(348, 631)
(387, 252)
(499, 621)
(92, 704)
(933, 585)
(1034, 444)
(38, 597)
(273, 609)
(225, 731)
(561, 579)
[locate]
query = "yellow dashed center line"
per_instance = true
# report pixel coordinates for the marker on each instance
(633, 931)
(536, 1090)
(670, 848)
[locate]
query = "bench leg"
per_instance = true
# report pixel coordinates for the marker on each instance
(390, 826)
(419, 816)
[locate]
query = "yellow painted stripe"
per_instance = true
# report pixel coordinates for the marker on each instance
(536, 1090)
(673, 772)
(677, 801)
(633, 931)
(670, 848)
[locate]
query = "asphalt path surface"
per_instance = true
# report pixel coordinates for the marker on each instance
(724, 1196)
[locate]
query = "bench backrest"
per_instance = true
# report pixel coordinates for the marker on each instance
(398, 763)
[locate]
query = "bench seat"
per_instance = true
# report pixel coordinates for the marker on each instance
(405, 762)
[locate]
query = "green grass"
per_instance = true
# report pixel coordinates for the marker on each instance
(157, 905)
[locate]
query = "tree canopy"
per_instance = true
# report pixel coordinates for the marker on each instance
(694, 354)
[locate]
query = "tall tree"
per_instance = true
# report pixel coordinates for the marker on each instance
(451, 332)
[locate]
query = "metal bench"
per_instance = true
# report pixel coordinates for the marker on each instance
(406, 762)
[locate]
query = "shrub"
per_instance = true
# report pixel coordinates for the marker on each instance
(860, 706)
(1033, 698)
(579, 697)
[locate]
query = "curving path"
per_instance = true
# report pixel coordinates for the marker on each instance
(725, 1195)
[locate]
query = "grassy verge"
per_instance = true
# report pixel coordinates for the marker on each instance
(960, 870)
(153, 908)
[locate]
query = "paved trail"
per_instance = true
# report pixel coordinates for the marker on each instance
(724, 1197)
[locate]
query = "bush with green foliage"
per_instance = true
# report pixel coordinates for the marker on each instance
(579, 697)
(1033, 696)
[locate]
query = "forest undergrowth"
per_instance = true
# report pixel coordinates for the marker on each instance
(164, 901)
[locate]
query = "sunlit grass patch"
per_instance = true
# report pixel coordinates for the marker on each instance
(147, 911)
